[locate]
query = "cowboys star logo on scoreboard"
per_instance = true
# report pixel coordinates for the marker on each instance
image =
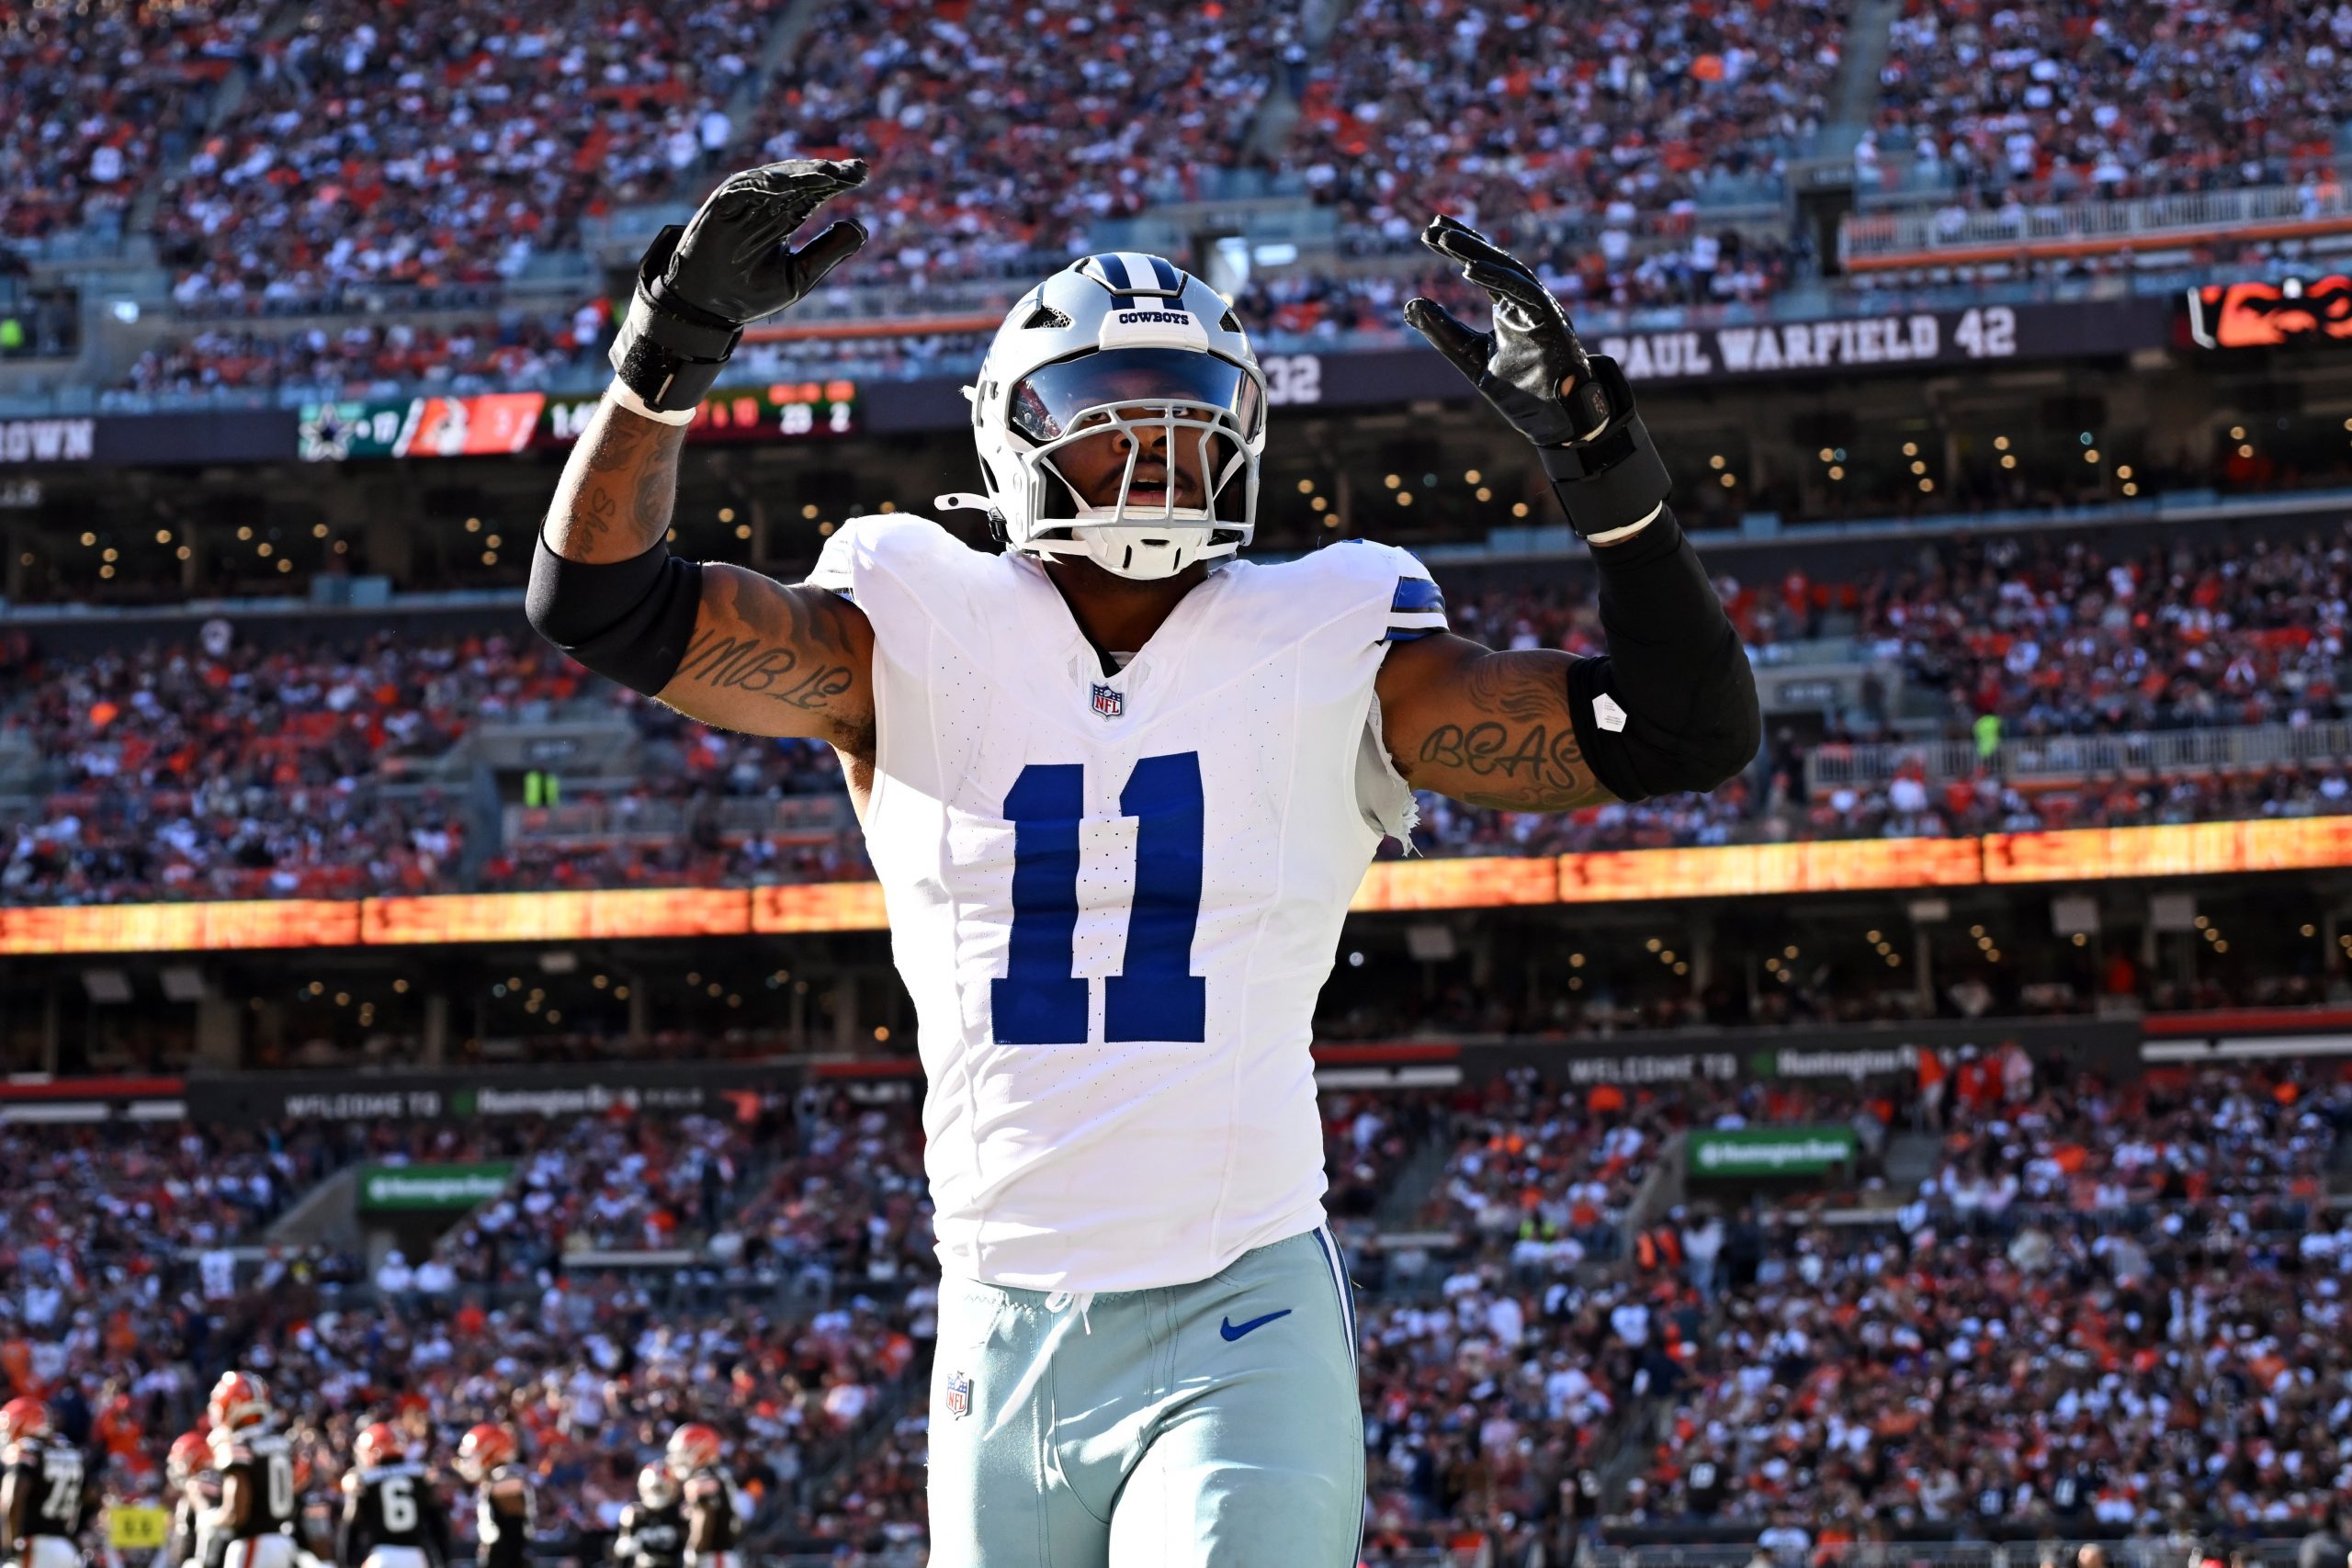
(959, 1395)
(1110, 702)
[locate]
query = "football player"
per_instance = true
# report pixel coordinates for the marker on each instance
(712, 1506)
(196, 1497)
(1119, 789)
(505, 1506)
(260, 1502)
(41, 1490)
(390, 1516)
(654, 1529)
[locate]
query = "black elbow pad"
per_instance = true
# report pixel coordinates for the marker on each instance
(629, 621)
(1672, 706)
(1635, 756)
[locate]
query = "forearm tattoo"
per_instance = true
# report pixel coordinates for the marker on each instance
(1521, 751)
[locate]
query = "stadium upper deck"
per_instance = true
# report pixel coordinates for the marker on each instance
(300, 165)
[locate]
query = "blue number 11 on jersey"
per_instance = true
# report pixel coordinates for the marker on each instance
(1156, 996)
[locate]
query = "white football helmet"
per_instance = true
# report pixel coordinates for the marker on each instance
(1132, 347)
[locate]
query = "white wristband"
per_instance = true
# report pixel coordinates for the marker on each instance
(1612, 536)
(620, 395)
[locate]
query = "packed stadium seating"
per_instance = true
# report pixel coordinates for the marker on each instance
(95, 97)
(1085, 113)
(81, 1206)
(273, 770)
(2043, 1300)
(622, 1185)
(104, 1234)
(1760, 1368)
(1521, 111)
(440, 152)
(442, 146)
(2089, 1266)
(361, 359)
(2108, 99)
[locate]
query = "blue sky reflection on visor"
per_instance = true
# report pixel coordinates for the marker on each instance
(1140, 379)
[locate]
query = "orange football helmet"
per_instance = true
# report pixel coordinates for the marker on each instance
(483, 1449)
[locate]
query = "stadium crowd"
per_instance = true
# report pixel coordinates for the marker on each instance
(2065, 101)
(2114, 1308)
(2119, 1237)
(599, 1186)
(169, 772)
(363, 359)
(1487, 111)
(444, 144)
(439, 150)
(996, 132)
(94, 98)
(123, 1299)
(2010, 640)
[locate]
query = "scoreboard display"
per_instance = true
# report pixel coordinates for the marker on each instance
(492, 424)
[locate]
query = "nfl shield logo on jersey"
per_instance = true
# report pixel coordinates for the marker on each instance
(959, 1386)
(1110, 704)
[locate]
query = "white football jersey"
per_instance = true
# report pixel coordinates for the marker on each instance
(1114, 897)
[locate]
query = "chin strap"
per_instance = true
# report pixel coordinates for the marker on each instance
(964, 501)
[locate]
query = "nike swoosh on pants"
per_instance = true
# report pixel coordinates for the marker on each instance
(1231, 1331)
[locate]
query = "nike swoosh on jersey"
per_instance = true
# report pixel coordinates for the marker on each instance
(1230, 1331)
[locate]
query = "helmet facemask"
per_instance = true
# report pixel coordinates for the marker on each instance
(1197, 418)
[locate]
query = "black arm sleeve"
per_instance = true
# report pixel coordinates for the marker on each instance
(629, 621)
(350, 1539)
(1672, 705)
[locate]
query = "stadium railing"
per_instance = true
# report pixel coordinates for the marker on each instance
(2138, 1551)
(2057, 758)
(803, 818)
(1868, 242)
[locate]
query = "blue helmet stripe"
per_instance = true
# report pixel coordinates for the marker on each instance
(1418, 594)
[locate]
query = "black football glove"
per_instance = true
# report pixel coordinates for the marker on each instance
(1591, 442)
(701, 282)
(1519, 366)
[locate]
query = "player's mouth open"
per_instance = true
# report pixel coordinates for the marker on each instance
(1150, 487)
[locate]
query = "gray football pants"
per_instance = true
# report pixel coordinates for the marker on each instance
(1207, 1425)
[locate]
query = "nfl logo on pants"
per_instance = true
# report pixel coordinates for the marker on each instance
(959, 1395)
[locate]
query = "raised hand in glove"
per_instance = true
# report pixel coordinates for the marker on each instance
(1574, 407)
(701, 282)
(1530, 366)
